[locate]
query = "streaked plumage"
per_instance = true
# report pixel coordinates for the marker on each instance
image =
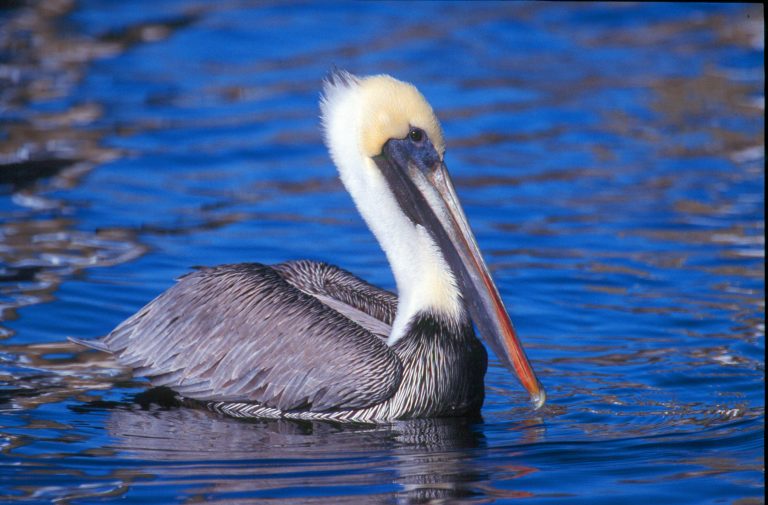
(308, 340)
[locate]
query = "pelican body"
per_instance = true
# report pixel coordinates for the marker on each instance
(308, 340)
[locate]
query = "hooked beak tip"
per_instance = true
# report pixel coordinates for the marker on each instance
(538, 398)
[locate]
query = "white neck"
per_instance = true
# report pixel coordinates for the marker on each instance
(424, 280)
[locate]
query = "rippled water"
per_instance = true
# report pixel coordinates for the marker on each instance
(610, 158)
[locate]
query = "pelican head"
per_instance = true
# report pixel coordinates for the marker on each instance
(388, 146)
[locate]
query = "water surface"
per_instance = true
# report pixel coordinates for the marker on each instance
(610, 158)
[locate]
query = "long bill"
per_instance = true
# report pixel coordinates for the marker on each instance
(429, 199)
(482, 297)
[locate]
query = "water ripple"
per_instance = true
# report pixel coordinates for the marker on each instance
(609, 156)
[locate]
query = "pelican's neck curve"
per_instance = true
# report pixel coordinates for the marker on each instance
(424, 280)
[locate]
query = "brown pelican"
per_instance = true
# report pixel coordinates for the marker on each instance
(308, 340)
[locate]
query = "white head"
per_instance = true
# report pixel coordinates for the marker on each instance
(359, 116)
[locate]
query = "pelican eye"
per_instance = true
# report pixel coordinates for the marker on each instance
(416, 134)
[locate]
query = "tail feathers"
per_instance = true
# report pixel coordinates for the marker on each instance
(93, 344)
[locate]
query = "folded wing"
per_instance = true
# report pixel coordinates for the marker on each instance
(258, 334)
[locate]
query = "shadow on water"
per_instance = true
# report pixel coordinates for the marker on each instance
(416, 461)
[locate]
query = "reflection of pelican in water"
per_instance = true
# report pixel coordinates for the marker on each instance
(425, 460)
(309, 340)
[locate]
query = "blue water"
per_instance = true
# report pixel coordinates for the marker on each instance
(610, 158)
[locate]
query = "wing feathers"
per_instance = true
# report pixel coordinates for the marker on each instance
(244, 333)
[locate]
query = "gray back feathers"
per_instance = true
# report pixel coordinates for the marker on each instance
(256, 334)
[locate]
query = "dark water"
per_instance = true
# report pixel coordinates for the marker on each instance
(610, 159)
